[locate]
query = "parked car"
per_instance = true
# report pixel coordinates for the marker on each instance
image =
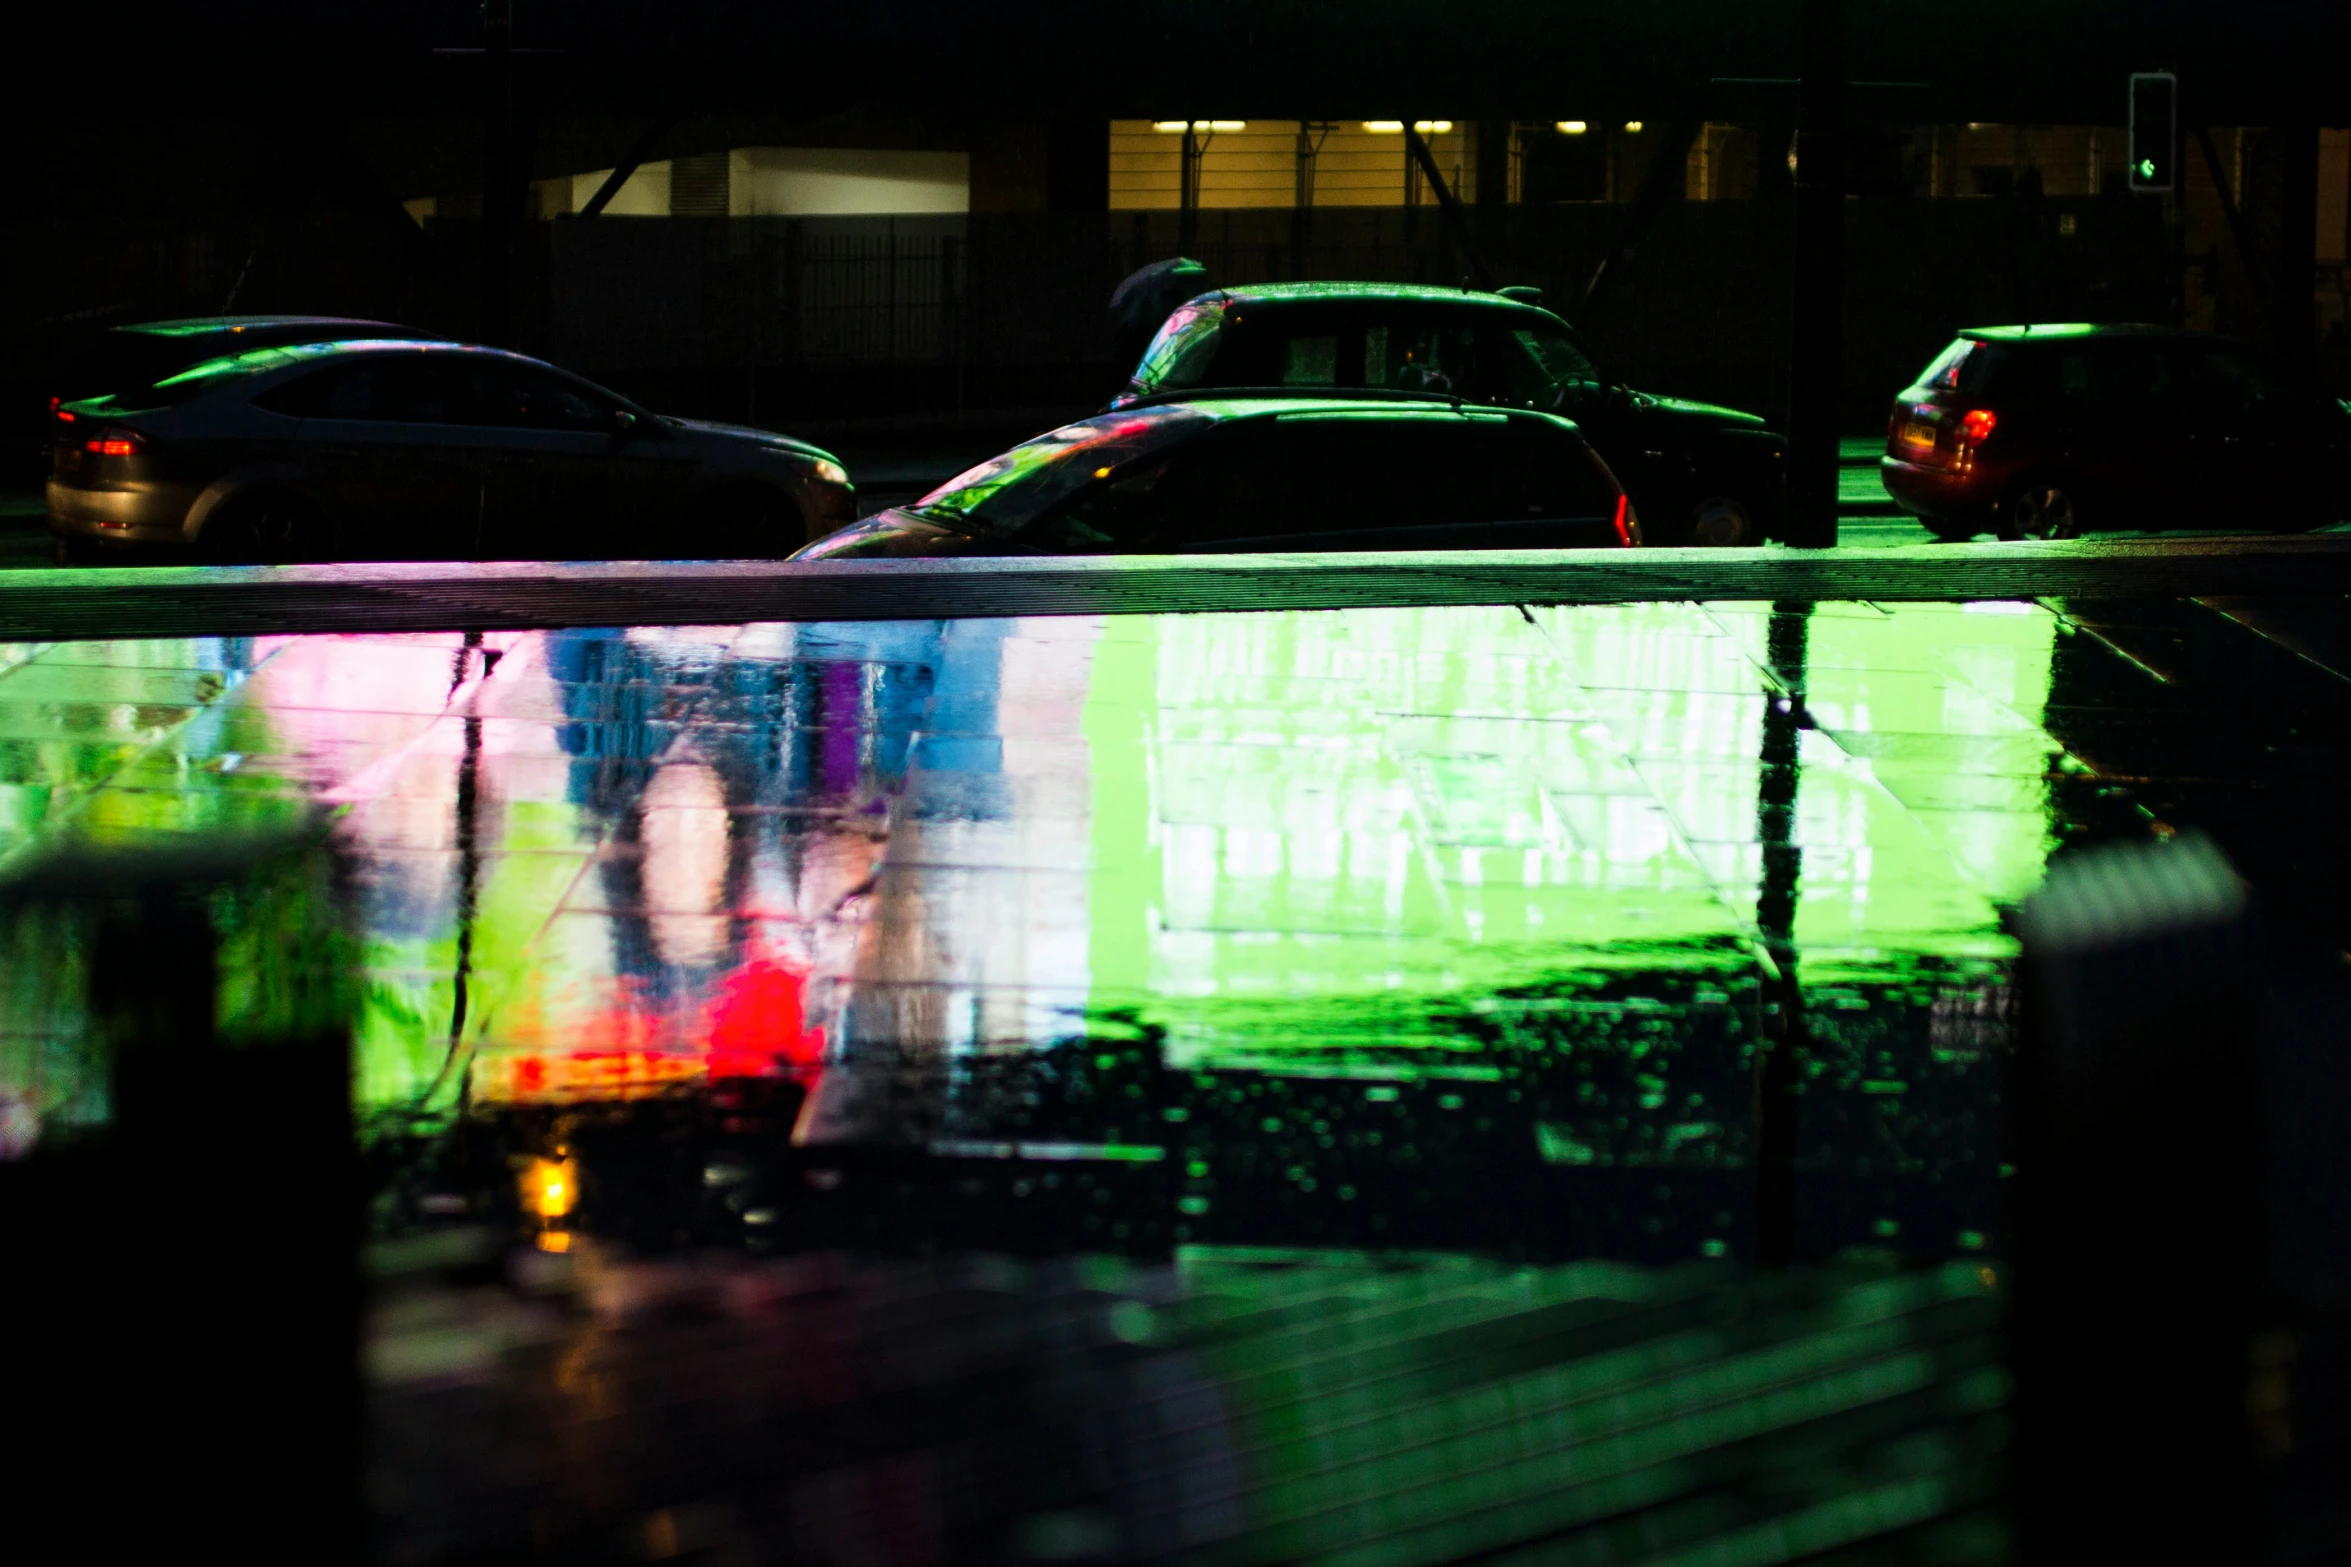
(1697, 474)
(375, 449)
(2044, 431)
(1210, 475)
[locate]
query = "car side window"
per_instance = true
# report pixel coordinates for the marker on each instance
(1410, 357)
(1537, 369)
(2232, 381)
(1219, 486)
(2131, 376)
(521, 397)
(416, 390)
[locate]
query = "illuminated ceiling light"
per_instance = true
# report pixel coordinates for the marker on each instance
(1396, 127)
(1199, 125)
(1633, 127)
(1572, 127)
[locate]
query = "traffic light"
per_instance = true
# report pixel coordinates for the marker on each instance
(2155, 97)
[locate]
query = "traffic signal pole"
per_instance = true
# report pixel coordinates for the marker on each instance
(1818, 338)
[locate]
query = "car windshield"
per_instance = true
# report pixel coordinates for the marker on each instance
(1004, 493)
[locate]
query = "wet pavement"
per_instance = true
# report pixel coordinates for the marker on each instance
(1347, 944)
(1420, 927)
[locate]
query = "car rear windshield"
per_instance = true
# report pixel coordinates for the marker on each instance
(185, 385)
(1004, 492)
(1180, 355)
(1968, 365)
(120, 360)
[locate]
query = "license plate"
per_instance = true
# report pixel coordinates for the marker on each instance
(1918, 435)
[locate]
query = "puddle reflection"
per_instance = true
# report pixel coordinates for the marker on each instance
(1336, 879)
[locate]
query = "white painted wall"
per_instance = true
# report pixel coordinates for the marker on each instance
(828, 182)
(645, 195)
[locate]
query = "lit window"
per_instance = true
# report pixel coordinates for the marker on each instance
(1396, 127)
(1633, 127)
(1572, 127)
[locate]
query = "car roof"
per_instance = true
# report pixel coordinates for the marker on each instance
(1226, 407)
(2051, 331)
(1367, 293)
(196, 326)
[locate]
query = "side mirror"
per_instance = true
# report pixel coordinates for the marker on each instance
(624, 424)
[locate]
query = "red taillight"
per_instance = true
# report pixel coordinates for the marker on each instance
(63, 416)
(56, 403)
(1977, 423)
(1623, 520)
(118, 443)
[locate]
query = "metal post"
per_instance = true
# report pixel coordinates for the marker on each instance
(497, 170)
(1780, 1054)
(1819, 294)
(2297, 246)
(1188, 192)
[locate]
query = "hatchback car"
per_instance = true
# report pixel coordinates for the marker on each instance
(1697, 473)
(2044, 431)
(398, 450)
(1238, 475)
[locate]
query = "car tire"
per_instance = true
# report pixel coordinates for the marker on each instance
(748, 522)
(72, 552)
(2041, 509)
(1724, 522)
(266, 530)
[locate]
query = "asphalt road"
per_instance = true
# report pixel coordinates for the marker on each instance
(1866, 516)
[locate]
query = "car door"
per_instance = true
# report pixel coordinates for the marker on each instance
(558, 482)
(385, 444)
(2258, 439)
(1351, 481)
(2137, 458)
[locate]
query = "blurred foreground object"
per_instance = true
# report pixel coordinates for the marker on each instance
(1241, 1405)
(2138, 1208)
(181, 1308)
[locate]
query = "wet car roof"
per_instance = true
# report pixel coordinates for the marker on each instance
(2051, 331)
(202, 325)
(1366, 293)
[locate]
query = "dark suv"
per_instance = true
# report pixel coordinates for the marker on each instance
(2044, 431)
(1697, 474)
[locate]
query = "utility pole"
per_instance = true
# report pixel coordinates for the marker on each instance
(1818, 336)
(497, 171)
(2297, 246)
(1188, 188)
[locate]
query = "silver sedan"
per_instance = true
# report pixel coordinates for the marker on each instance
(402, 450)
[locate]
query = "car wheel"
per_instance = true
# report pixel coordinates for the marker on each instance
(748, 522)
(72, 552)
(1721, 521)
(267, 530)
(2043, 509)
